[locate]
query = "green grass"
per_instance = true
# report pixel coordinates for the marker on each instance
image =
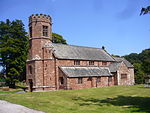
(116, 99)
(12, 91)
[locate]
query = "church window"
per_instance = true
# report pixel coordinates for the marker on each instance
(76, 62)
(80, 80)
(98, 79)
(123, 76)
(104, 63)
(91, 62)
(109, 79)
(45, 31)
(89, 79)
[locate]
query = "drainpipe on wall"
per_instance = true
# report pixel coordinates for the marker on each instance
(118, 78)
(56, 82)
(43, 68)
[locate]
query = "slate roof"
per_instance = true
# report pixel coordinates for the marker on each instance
(63, 51)
(120, 59)
(86, 71)
(114, 66)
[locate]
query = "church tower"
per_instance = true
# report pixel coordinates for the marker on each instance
(39, 74)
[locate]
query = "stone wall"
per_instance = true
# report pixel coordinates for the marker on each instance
(123, 69)
(131, 71)
(85, 63)
(89, 82)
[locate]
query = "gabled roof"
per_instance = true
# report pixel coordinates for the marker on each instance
(86, 71)
(63, 51)
(120, 59)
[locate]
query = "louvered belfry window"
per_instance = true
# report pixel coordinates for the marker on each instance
(45, 31)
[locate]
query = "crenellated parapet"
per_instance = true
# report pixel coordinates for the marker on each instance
(40, 18)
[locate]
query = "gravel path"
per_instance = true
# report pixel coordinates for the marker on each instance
(6, 107)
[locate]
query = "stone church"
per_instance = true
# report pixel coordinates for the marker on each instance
(58, 66)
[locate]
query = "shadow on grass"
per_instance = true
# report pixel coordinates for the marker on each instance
(140, 103)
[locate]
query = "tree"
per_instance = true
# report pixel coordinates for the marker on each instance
(145, 10)
(139, 73)
(56, 38)
(133, 58)
(13, 50)
(145, 58)
(141, 64)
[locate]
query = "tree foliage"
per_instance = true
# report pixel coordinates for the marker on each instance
(13, 50)
(56, 38)
(145, 10)
(141, 64)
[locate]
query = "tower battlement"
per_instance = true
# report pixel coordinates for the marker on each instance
(40, 26)
(40, 18)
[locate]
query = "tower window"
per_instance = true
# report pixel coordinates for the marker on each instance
(45, 31)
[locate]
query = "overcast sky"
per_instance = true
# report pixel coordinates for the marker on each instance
(115, 24)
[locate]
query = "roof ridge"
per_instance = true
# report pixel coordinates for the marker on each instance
(79, 66)
(77, 46)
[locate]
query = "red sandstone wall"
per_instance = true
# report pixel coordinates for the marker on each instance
(123, 69)
(36, 46)
(61, 62)
(28, 74)
(131, 71)
(73, 83)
